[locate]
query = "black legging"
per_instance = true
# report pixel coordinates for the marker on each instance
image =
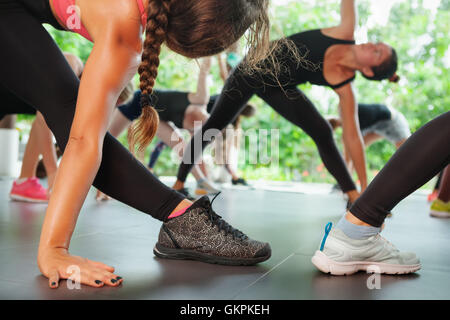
(418, 160)
(289, 102)
(33, 68)
(10, 104)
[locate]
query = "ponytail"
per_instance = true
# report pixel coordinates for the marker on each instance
(142, 131)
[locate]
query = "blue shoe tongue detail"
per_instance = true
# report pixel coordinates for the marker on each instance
(327, 231)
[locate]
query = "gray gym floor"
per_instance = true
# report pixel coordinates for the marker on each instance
(292, 222)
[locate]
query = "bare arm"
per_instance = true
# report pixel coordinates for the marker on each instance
(346, 28)
(99, 90)
(351, 132)
(371, 138)
(222, 67)
(98, 93)
(348, 159)
(201, 96)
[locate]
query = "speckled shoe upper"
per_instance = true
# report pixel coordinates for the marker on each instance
(202, 230)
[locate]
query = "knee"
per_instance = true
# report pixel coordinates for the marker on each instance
(323, 133)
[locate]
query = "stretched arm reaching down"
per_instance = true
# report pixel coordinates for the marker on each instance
(99, 89)
(351, 132)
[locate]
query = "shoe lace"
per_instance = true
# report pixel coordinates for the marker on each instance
(221, 224)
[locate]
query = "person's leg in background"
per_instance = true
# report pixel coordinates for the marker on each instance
(27, 186)
(444, 190)
(8, 122)
(440, 207)
(154, 155)
(238, 89)
(433, 195)
(196, 115)
(399, 143)
(47, 149)
(171, 137)
(294, 106)
(358, 230)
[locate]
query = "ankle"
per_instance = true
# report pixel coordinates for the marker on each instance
(354, 220)
(180, 209)
(178, 185)
(357, 231)
(352, 195)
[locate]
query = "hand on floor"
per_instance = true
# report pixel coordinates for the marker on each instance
(57, 263)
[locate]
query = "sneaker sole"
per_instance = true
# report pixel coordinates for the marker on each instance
(16, 197)
(326, 265)
(182, 254)
(439, 214)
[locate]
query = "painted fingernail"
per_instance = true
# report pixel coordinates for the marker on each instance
(98, 282)
(113, 280)
(119, 278)
(53, 283)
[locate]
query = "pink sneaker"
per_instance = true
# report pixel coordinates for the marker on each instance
(30, 191)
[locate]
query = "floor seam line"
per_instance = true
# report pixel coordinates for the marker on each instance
(263, 276)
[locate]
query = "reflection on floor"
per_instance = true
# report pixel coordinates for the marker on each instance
(291, 222)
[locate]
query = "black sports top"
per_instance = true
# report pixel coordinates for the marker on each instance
(170, 105)
(369, 114)
(311, 46)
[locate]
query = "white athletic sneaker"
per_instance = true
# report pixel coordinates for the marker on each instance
(341, 255)
(205, 187)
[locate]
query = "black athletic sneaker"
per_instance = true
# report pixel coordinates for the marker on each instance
(239, 181)
(201, 234)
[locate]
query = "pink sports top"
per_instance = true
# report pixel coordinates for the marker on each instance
(65, 13)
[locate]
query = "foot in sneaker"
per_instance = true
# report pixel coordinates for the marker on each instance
(341, 255)
(205, 187)
(239, 181)
(201, 234)
(440, 209)
(29, 190)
